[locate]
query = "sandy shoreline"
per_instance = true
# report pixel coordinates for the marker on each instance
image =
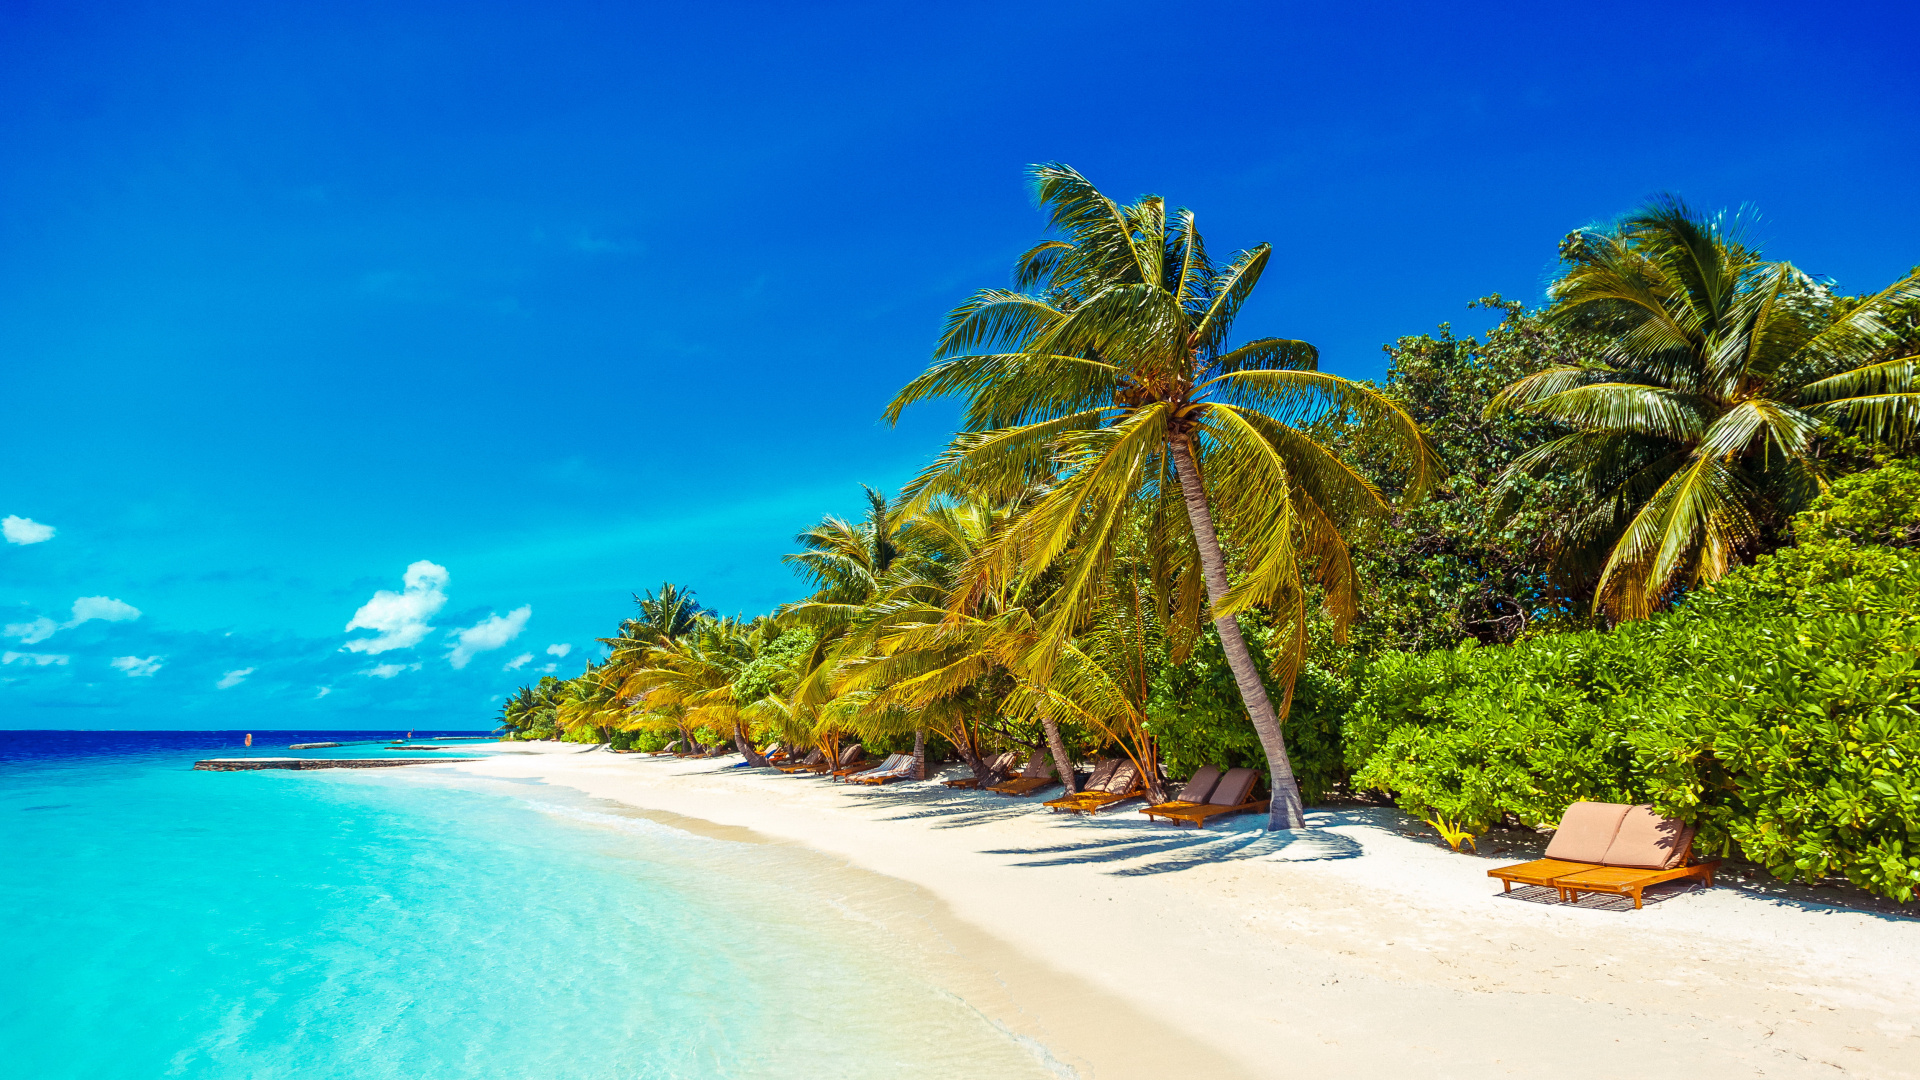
(1134, 950)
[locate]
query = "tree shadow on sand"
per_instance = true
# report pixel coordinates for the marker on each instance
(1147, 848)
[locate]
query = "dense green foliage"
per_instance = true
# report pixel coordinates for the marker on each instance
(1198, 719)
(1778, 711)
(1444, 569)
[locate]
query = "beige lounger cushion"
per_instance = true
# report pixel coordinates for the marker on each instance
(1038, 766)
(1647, 841)
(1121, 780)
(1197, 789)
(1101, 774)
(1233, 788)
(1586, 831)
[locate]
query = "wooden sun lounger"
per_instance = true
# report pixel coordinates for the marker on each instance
(1542, 872)
(1198, 815)
(1092, 802)
(1232, 795)
(1610, 848)
(1022, 786)
(1193, 793)
(899, 770)
(813, 759)
(1037, 774)
(866, 766)
(998, 764)
(1629, 881)
(1112, 782)
(1102, 772)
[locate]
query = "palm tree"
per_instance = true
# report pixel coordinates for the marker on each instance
(909, 656)
(693, 676)
(671, 613)
(1697, 429)
(849, 564)
(1113, 373)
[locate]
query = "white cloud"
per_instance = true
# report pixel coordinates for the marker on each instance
(32, 633)
(104, 608)
(560, 651)
(517, 662)
(388, 671)
(34, 659)
(400, 618)
(234, 678)
(137, 667)
(19, 530)
(488, 634)
(324, 691)
(550, 668)
(86, 609)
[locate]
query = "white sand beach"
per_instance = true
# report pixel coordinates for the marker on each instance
(1135, 950)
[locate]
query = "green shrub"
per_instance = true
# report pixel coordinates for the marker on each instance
(1880, 506)
(1198, 718)
(1778, 710)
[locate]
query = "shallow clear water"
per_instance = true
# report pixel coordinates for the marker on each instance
(369, 924)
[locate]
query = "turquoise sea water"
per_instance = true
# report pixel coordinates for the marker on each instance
(369, 924)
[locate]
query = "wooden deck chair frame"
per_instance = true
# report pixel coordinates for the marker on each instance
(1092, 802)
(1198, 815)
(902, 770)
(1570, 878)
(1037, 774)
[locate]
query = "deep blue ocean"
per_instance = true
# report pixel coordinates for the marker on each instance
(396, 923)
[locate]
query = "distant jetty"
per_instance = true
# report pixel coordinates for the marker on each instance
(312, 745)
(244, 764)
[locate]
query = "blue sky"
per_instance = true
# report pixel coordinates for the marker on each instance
(554, 302)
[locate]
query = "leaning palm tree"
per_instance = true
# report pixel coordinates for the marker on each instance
(1699, 423)
(1111, 378)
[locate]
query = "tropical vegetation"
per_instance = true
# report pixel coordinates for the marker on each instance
(1656, 541)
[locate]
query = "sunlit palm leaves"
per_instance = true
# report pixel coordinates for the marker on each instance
(1720, 370)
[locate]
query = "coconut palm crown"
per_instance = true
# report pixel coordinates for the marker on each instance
(1109, 374)
(1698, 426)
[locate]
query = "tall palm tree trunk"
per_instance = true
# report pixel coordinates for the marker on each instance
(1287, 811)
(1062, 764)
(919, 753)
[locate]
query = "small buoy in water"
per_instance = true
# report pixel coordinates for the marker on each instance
(249, 738)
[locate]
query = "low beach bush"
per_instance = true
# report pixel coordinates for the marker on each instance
(1198, 718)
(1779, 711)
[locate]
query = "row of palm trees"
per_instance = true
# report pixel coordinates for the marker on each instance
(1128, 477)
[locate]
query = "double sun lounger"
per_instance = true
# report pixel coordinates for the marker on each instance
(1210, 795)
(1610, 848)
(1037, 774)
(1114, 780)
(997, 766)
(896, 767)
(849, 765)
